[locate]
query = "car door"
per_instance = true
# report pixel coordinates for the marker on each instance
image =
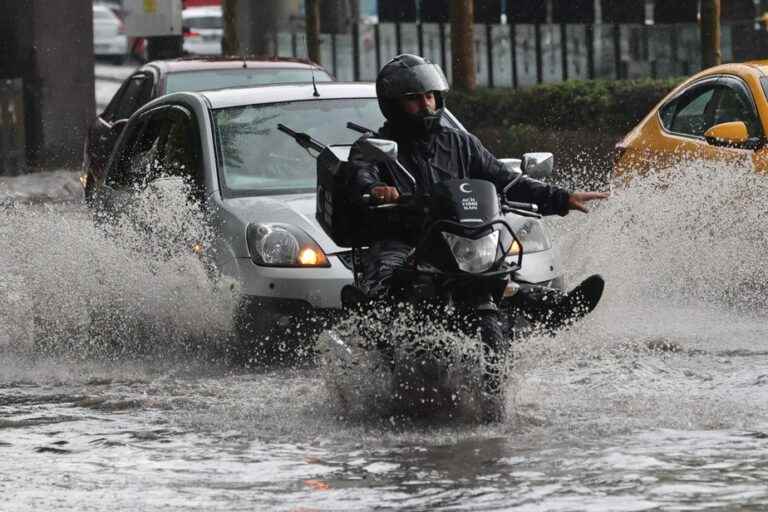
(734, 102)
(181, 153)
(163, 144)
(137, 158)
(684, 120)
(134, 93)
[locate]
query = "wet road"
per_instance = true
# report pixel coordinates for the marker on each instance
(658, 401)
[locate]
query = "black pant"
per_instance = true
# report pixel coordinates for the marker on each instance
(380, 261)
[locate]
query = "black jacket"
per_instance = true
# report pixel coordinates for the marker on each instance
(447, 153)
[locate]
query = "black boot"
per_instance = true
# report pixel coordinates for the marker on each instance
(553, 308)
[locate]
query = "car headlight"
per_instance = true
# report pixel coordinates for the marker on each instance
(476, 255)
(283, 245)
(531, 234)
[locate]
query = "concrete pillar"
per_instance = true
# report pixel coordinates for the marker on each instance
(51, 50)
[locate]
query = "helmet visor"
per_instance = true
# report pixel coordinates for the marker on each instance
(414, 80)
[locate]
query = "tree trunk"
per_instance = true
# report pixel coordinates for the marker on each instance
(337, 16)
(710, 33)
(230, 43)
(462, 45)
(312, 8)
(266, 18)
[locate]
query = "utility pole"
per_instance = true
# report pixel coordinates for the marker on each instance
(710, 33)
(312, 22)
(230, 43)
(462, 44)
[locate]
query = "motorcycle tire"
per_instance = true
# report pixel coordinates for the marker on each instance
(495, 346)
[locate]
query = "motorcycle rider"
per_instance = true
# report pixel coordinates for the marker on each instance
(411, 94)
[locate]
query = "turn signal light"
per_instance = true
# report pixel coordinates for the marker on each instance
(310, 257)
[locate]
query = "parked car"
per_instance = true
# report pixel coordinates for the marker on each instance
(109, 39)
(203, 30)
(719, 114)
(257, 187)
(157, 78)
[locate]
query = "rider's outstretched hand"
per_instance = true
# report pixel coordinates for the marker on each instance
(577, 199)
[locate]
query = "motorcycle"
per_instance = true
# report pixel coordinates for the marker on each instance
(458, 280)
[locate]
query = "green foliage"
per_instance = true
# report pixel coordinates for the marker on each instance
(605, 106)
(578, 121)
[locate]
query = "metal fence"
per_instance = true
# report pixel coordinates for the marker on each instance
(519, 55)
(12, 145)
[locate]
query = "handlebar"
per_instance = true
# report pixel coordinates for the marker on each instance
(529, 207)
(403, 200)
(523, 209)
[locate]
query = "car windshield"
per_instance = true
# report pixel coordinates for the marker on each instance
(257, 158)
(224, 78)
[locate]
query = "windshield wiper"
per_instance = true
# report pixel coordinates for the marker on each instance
(302, 139)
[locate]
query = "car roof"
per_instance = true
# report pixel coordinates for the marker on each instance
(762, 65)
(219, 62)
(225, 98)
(759, 66)
(102, 7)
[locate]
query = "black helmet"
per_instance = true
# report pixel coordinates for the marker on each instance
(410, 74)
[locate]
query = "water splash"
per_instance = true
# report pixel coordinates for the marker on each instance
(80, 285)
(401, 361)
(678, 338)
(682, 252)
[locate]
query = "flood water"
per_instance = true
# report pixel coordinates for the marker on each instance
(657, 401)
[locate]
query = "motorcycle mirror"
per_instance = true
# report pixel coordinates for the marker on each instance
(378, 149)
(538, 165)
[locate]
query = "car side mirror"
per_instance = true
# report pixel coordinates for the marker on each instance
(378, 149)
(538, 165)
(732, 134)
(118, 127)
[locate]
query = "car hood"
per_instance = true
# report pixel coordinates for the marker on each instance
(295, 209)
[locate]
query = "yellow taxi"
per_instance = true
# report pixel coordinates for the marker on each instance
(719, 114)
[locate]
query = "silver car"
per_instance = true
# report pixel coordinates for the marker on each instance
(257, 186)
(203, 30)
(109, 39)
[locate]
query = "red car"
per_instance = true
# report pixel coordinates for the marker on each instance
(158, 78)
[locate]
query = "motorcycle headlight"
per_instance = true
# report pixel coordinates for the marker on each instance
(283, 245)
(476, 255)
(532, 236)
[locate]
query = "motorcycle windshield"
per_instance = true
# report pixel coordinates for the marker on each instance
(470, 202)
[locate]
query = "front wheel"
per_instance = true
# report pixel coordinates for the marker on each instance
(495, 349)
